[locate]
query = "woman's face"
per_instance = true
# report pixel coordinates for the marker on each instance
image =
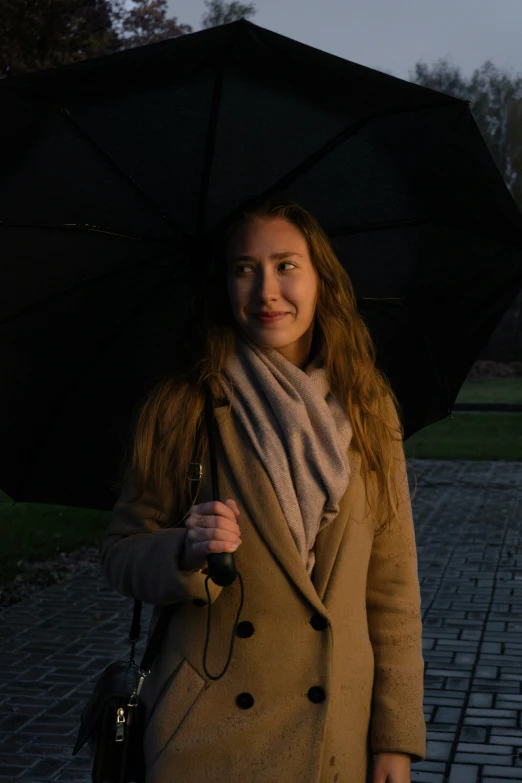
(259, 281)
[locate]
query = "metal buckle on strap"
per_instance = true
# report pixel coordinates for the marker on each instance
(200, 472)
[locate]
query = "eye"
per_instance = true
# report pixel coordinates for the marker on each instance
(239, 267)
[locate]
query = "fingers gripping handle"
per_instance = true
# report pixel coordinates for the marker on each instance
(221, 566)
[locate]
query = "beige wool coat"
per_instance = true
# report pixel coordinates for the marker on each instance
(325, 671)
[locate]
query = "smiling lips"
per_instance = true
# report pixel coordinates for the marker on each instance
(269, 318)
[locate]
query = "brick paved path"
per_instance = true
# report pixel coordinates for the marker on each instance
(468, 518)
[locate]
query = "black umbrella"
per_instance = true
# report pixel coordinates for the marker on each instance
(112, 166)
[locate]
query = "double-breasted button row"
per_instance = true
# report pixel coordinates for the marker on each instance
(245, 629)
(316, 694)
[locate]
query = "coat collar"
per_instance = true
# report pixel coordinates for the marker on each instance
(257, 493)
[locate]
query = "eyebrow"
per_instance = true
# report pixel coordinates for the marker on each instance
(274, 256)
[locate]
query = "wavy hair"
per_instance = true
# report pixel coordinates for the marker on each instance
(168, 429)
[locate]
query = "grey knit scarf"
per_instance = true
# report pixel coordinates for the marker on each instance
(300, 432)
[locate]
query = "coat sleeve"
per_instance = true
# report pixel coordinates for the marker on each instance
(393, 604)
(140, 557)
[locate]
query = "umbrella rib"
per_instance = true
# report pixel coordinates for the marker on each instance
(146, 196)
(85, 280)
(210, 145)
(337, 231)
(82, 227)
(337, 140)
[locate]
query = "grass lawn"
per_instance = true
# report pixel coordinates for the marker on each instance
(37, 531)
(34, 531)
(504, 390)
(479, 436)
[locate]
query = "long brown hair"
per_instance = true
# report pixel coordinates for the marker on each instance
(168, 430)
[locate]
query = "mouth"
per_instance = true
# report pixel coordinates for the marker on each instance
(270, 318)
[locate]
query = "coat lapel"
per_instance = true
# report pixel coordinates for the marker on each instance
(262, 506)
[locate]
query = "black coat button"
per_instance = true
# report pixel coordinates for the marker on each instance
(244, 700)
(199, 602)
(244, 629)
(316, 694)
(319, 622)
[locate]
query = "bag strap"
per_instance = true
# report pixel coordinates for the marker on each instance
(161, 626)
(135, 629)
(156, 638)
(157, 634)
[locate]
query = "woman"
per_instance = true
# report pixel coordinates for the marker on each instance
(326, 679)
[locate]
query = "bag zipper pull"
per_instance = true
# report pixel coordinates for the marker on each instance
(120, 725)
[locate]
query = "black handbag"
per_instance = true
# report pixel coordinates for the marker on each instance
(112, 722)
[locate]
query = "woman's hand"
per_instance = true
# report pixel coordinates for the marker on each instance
(392, 768)
(217, 532)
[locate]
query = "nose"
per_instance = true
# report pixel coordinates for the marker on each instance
(266, 285)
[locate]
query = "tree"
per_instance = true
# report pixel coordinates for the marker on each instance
(146, 22)
(441, 76)
(514, 142)
(40, 34)
(496, 95)
(220, 12)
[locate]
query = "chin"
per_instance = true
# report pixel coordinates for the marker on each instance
(260, 337)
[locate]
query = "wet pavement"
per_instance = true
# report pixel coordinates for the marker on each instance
(468, 520)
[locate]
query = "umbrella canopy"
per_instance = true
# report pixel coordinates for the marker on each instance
(111, 168)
